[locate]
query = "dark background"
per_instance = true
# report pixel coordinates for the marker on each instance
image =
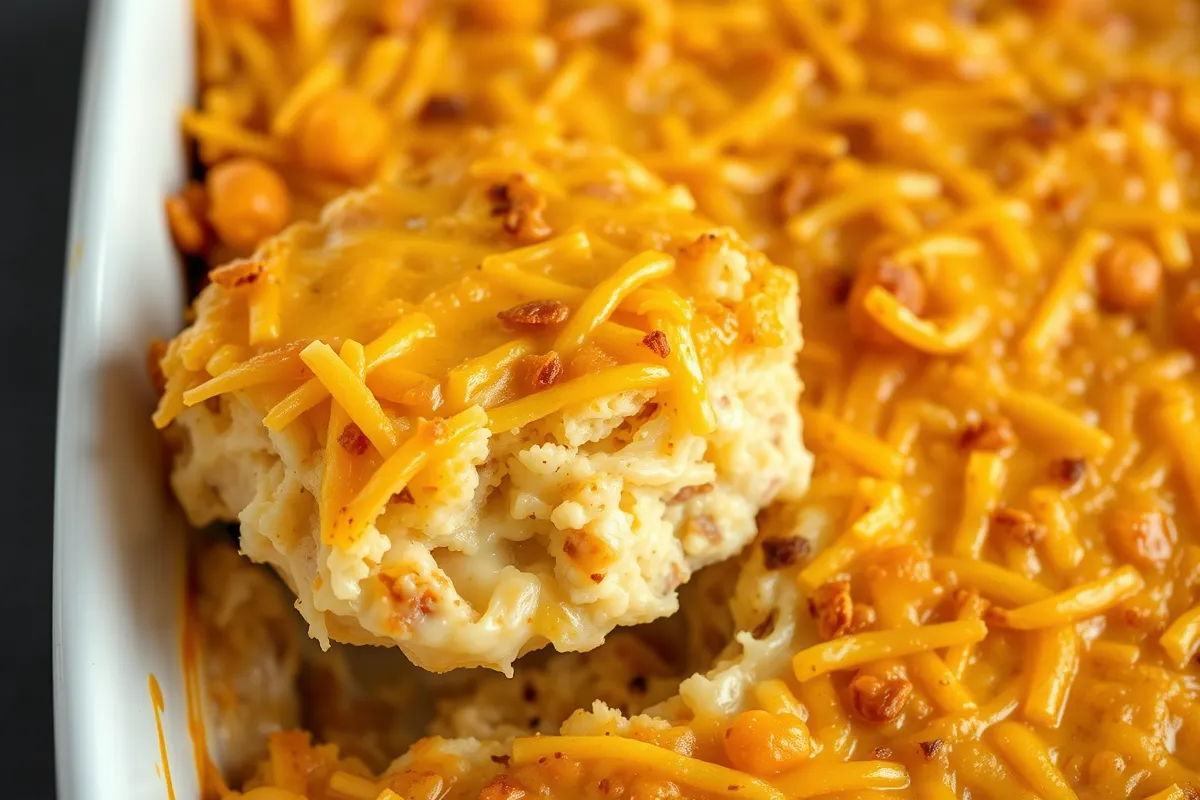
(41, 44)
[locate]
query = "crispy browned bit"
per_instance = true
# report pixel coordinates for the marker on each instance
(1068, 471)
(658, 344)
(783, 552)
(883, 753)
(544, 370)
(520, 205)
(535, 314)
(832, 607)
(238, 274)
(992, 434)
(688, 492)
(1187, 320)
(502, 787)
(930, 749)
(353, 440)
(185, 217)
(603, 786)
(1139, 535)
(597, 577)
(443, 108)
(1044, 127)
(765, 628)
(401, 16)
(408, 608)
(841, 285)
(1128, 276)
(154, 357)
(879, 700)
(902, 281)
(589, 552)
(1016, 526)
(501, 760)
(403, 496)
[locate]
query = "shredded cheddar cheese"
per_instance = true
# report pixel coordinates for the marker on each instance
(990, 210)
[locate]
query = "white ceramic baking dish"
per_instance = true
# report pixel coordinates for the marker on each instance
(118, 573)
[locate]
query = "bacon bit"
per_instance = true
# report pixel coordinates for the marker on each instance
(353, 440)
(902, 281)
(883, 753)
(765, 628)
(1139, 535)
(443, 108)
(154, 356)
(658, 344)
(503, 787)
(1068, 471)
(501, 760)
(1016, 526)
(535, 314)
(832, 608)
(688, 492)
(878, 700)
(784, 551)
(403, 496)
(597, 577)
(544, 370)
(521, 206)
(408, 609)
(237, 274)
(930, 749)
(185, 216)
(993, 435)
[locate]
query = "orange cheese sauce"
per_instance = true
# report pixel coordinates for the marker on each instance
(991, 210)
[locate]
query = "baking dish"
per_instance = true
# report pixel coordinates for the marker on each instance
(118, 550)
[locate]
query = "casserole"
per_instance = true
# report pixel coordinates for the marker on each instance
(118, 567)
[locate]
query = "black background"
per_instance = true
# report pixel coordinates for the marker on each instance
(41, 43)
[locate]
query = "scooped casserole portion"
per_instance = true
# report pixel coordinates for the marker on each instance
(515, 399)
